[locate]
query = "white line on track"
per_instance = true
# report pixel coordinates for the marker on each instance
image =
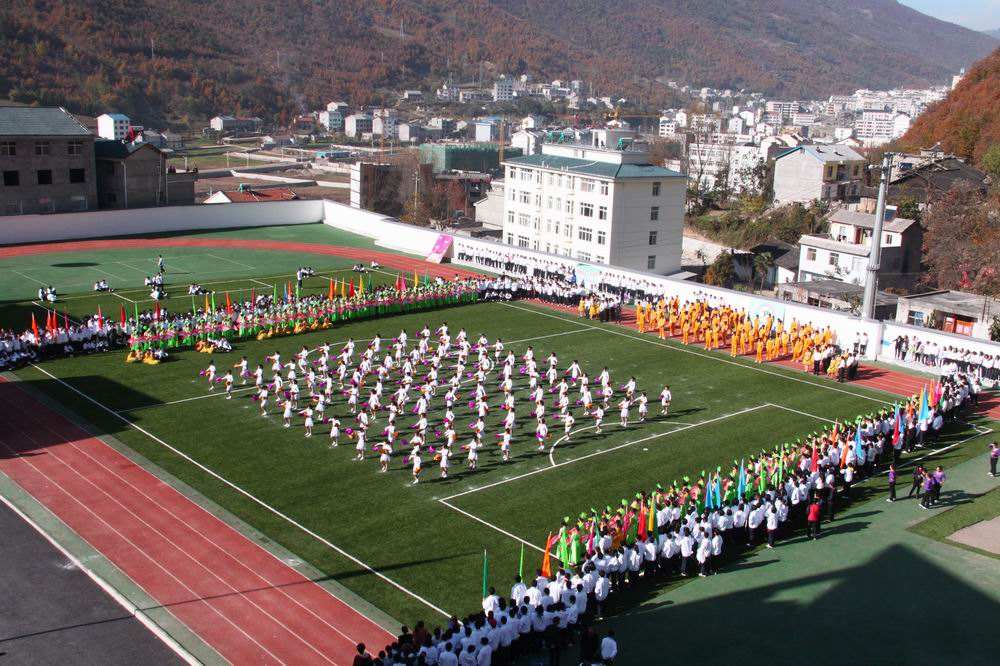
(813, 416)
(28, 277)
(124, 298)
(248, 495)
(490, 525)
(232, 261)
(119, 598)
(696, 353)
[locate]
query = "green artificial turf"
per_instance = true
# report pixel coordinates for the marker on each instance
(723, 409)
(972, 510)
(402, 530)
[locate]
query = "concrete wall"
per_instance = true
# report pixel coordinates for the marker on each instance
(893, 329)
(102, 224)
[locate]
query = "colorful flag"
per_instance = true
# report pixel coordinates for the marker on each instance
(859, 451)
(520, 563)
(741, 486)
(229, 304)
(350, 290)
(416, 280)
(896, 426)
(100, 317)
(814, 463)
(329, 294)
(486, 570)
(34, 328)
(547, 557)
(121, 317)
(361, 284)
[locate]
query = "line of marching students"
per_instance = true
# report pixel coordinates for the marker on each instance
(690, 527)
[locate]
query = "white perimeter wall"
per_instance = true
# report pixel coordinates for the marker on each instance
(392, 234)
(103, 224)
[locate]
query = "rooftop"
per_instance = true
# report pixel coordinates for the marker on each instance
(957, 302)
(39, 121)
(827, 243)
(249, 194)
(593, 168)
(826, 153)
(867, 221)
(118, 150)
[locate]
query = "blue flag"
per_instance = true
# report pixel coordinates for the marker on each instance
(709, 499)
(859, 451)
(741, 487)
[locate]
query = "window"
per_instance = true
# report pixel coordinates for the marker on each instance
(522, 241)
(654, 213)
(538, 201)
(604, 189)
(513, 195)
(602, 213)
(527, 175)
(602, 237)
(8, 148)
(74, 148)
(888, 239)
(583, 256)
(586, 185)
(652, 237)
(569, 205)
(810, 254)
(11, 178)
(512, 173)
(830, 170)
(523, 219)
(568, 230)
(78, 175)
(534, 245)
(651, 262)
(914, 318)
(525, 197)
(45, 176)
(43, 148)
(510, 239)
(656, 189)
(510, 217)
(586, 234)
(587, 210)
(555, 227)
(548, 203)
(537, 224)
(834, 258)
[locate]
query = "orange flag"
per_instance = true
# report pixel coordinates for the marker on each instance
(547, 557)
(34, 327)
(329, 294)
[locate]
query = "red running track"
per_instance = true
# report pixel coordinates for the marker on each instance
(240, 599)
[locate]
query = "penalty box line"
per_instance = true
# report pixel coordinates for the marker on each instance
(447, 501)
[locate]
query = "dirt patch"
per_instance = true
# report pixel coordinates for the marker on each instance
(984, 535)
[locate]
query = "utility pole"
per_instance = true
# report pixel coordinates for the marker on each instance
(875, 250)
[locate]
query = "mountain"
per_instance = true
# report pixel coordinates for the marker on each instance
(995, 33)
(185, 60)
(967, 121)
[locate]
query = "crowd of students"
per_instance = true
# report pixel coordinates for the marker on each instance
(947, 359)
(63, 338)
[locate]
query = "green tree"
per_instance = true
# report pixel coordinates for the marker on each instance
(762, 265)
(991, 164)
(721, 273)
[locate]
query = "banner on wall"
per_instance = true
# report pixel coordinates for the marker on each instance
(440, 249)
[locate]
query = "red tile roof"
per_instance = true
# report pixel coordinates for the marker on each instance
(273, 194)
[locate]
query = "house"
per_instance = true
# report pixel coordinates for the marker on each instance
(529, 141)
(924, 178)
(876, 127)
(332, 119)
(339, 107)
(503, 89)
(409, 132)
(601, 201)
(413, 95)
(277, 141)
(950, 311)
(810, 173)
(487, 130)
(843, 253)
(837, 295)
(489, 209)
(112, 126)
(357, 124)
(234, 125)
(135, 175)
(785, 261)
(384, 122)
(247, 194)
(46, 162)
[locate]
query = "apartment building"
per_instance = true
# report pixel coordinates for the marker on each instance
(809, 173)
(601, 201)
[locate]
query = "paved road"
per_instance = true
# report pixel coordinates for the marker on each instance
(54, 614)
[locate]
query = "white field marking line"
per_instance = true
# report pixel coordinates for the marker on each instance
(248, 495)
(212, 544)
(490, 525)
(332, 344)
(130, 608)
(695, 353)
(104, 272)
(616, 425)
(28, 277)
(232, 261)
(48, 309)
(134, 268)
(124, 298)
(155, 530)
(813, 416)
(980, 431)
(602, 452)
(124, 538)
(263, 284)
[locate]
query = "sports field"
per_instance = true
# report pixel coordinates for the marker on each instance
(411, 551)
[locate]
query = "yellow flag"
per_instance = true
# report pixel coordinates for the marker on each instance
(343, 288)
(416, 280)
(361, 284)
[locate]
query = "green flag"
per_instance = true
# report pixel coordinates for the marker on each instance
(520, 564)
(486, 569)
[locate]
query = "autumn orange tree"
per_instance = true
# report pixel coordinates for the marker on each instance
(962, 242)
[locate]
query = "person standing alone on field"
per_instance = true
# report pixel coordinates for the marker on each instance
(994, 457)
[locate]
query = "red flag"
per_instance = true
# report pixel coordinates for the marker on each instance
(34, 327)
(814, 465)
(229, 304)
(156, 314)
(643, 519)
(100, 318)
(122, 316)
(350, 290)
(50, 323)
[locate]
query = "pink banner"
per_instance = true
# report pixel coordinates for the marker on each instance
(441, 247)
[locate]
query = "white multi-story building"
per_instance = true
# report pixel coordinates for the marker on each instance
(357, 124)
(875, 128)
(601, 201)
(112, 126)
(384, 122)
(668, 126)
(503, 89)
(809, 173)
(707, 162)
(782, 109)
(332, 120)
